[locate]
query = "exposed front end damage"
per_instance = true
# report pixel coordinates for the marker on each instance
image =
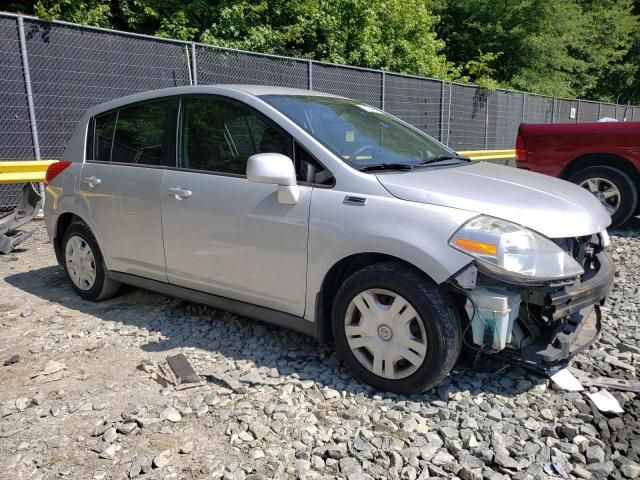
(10, 235)
(539, 325)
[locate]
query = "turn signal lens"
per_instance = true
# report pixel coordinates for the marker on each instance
(476, 247)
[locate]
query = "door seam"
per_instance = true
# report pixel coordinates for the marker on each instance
(306, 263)
(164, 252)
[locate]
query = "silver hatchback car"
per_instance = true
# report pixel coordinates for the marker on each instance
(333, 218)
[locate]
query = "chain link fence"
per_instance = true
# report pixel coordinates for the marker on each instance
(53, 71)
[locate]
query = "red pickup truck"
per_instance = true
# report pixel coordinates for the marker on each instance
(603, 157)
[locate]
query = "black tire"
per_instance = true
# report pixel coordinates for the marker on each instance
(627, 188)
(434, 307)
(103, 286)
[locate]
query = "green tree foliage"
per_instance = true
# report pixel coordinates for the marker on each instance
(558, 47)
(621, 82)
(584, 48)
(396, 35)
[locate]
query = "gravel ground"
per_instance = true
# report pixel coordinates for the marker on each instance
(79, 402)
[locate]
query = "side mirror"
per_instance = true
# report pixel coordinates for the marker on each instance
(275, 169)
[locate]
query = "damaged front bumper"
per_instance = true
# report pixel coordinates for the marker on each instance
(575, 313)
(571, 335)
(552, 322)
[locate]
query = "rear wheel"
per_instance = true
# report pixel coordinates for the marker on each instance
(84, 264)
(613, 188)
(393, 328)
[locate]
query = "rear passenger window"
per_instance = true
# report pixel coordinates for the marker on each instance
(103, 136)
(142, 136)
(220, 135)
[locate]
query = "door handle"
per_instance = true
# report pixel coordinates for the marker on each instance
(92, 181)
(179, 193)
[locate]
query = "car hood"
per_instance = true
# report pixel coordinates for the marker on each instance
(550, 206)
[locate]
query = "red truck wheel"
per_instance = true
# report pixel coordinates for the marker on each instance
(613, 187)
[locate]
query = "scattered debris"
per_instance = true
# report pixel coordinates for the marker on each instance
(605, 402)
(565, 380)
(604, 382)
(182, 369)
(233, 383)
(175, 370)
(555, 470)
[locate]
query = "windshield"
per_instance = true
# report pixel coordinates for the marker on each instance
(361, 135)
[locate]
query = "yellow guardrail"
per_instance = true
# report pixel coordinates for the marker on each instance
(24, 171)
(489, 154)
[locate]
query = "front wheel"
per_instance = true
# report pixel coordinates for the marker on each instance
(394, 329)
(613, 188)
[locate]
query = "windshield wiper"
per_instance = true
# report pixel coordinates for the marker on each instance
(387, 166)
(440, 158)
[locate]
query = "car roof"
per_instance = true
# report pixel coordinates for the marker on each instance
(220, 89)
(258, 90)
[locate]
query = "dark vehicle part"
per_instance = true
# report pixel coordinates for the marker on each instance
(10, 236)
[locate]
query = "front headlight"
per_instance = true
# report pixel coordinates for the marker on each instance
(506, 248)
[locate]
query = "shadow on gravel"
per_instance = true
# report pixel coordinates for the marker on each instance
(188, 325)
(631, 229)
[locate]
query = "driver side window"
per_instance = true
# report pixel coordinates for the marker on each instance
(219, 135)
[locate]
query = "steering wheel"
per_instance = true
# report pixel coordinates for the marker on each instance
(355, 154)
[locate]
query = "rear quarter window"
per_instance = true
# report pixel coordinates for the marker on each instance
(142, 134)
(103, 136)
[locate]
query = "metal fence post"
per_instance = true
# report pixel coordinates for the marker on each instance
(578, 112)
(310, 74)
(193, 63)
(486, 121)
(599, 109)
(524, 103)
(27, 85)
(188, 55)
(449, 114)
(553, 110)
(382, 93)
(441, 138)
